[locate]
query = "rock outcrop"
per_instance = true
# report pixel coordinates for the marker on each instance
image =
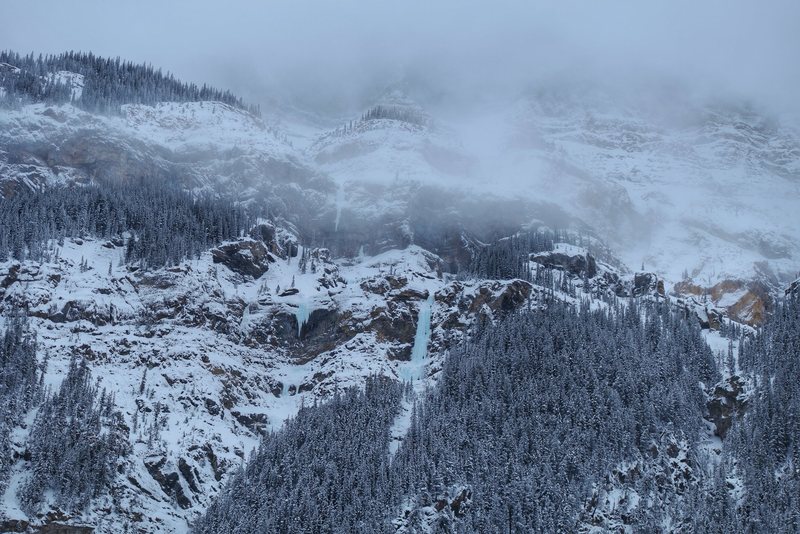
(248, 258)
(728, 400)
(579, 265)
(645, 284)
(747, 302)
(794, 288)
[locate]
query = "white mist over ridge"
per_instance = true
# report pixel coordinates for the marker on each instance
(679, 181)
(421, 177)
(669, 129)
(322, 55)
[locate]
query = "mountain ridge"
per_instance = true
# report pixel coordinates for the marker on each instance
(351, 245)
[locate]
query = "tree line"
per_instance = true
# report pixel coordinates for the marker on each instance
(762, 454)
(77, 439)
(108, 83)
(158, 224)
(530, 416)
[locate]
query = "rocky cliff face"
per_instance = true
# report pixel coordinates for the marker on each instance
(794, 288)
(224, 348)
(746, 301)
(221, 349)
(386, 182)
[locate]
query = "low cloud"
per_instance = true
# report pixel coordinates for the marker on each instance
(335, 54)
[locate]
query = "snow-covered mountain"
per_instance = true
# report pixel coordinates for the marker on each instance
(363, 261)
(225, 355)
(704, 190)
(702, 193)
(203, 146)
(206, 356)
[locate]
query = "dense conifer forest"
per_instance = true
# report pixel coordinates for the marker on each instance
(20, 388)
(509, 257)
(107, 83)
(326, 471)
(77, 438)
(528, 418)
(396, 113)
(159, 224)
(542, 406)
(763, 449)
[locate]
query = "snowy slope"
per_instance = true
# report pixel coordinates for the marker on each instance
(203, 146)
(225, 356)
(690, 187)
(712, 192)
(683, 185)
(699, 187)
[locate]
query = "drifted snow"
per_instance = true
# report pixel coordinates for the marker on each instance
(657, 178)
(73, 80)
(190, 364)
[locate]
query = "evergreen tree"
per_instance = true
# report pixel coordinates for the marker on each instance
(76, 441)
(161, 225)
(107, 84)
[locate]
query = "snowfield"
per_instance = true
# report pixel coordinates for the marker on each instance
(204, 357)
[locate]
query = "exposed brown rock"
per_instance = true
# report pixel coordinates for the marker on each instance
(647, 284)
(512, 296)
(409, 294)
(459, 503)
(289, 292)
(395, 322)
(687, 287)
(169, 482)
(752, 306)
(501, 297)
(380, 285)
(11, 276)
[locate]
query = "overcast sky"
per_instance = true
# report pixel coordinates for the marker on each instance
(342, 49)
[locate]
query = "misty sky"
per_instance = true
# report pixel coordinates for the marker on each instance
(341, 50)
